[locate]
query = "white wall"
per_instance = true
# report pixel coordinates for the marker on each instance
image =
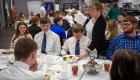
(136, 2)
(88, 2)
(133, 1)
(34, 6)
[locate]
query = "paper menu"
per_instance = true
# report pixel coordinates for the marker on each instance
(80, 18)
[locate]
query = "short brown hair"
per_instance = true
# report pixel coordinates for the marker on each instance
(97, 5)
(115, 5)
(23, 48)
(77, 28)
(34, 20)
(122, 13)
(124, 60)
(131, 19)
(44, 20)
(56, 19)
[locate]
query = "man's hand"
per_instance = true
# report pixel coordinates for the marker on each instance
(34, 66)
(83, 54)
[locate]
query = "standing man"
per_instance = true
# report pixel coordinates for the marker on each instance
(25, 65)
(48, 42)
(128, 40)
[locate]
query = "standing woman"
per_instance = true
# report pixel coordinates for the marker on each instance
(98, 29)
(21, 31)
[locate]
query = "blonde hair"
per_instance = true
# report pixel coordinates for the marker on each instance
(112, 28)
(97, 5)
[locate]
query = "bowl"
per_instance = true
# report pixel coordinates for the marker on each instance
(92, 68)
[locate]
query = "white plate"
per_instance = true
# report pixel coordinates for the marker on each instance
(70, 58)
(3, 66)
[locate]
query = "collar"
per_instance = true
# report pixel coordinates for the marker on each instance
(129, 37)
(80, 39)
(46, 32)
(21, 64)
(57, 25)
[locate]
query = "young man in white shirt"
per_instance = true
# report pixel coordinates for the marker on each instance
(48, 42)
(78, 39)
(25, 65)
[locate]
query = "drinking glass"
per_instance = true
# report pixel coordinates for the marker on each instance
(75, 69)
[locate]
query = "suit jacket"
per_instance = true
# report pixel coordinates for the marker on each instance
(98, 35)
(34, 29)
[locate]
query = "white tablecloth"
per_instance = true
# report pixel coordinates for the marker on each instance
(57, 66)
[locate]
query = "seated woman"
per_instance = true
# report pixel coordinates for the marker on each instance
(125, 65)
(34, 28)
(21, 31)
(111, 31)
(22, 17)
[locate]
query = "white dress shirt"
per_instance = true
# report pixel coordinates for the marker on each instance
(120, 28)
(20, 71)
(89, 28)
(69, 45)
(53, 46)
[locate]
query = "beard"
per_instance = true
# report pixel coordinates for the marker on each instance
(130, 30)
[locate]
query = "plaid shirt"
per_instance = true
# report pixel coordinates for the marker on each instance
(123, 41)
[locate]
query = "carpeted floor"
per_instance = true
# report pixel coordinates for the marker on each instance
(5, 37)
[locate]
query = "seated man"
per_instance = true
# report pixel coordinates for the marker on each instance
(58, 29)
(25, 65)
(77, 43)
(48, 42)
(128, 40)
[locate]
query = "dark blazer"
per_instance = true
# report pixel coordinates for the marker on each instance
(34, 29)
(98, 35)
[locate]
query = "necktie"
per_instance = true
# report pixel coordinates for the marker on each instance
(77, 48)
(43, 44)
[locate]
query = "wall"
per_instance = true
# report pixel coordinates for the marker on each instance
(136, 2)
(21, 6)
(34, 6)
(2, 20)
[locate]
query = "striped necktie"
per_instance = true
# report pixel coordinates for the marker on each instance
(43, 44)
(77, 48)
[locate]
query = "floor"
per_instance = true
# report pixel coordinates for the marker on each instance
(5, 37)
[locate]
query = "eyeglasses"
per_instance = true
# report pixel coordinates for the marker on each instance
(127, 24)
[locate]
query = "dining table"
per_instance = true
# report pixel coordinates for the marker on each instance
(59, 69)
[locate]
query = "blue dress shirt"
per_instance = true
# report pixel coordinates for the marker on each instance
(59, 31)
(123, 41)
